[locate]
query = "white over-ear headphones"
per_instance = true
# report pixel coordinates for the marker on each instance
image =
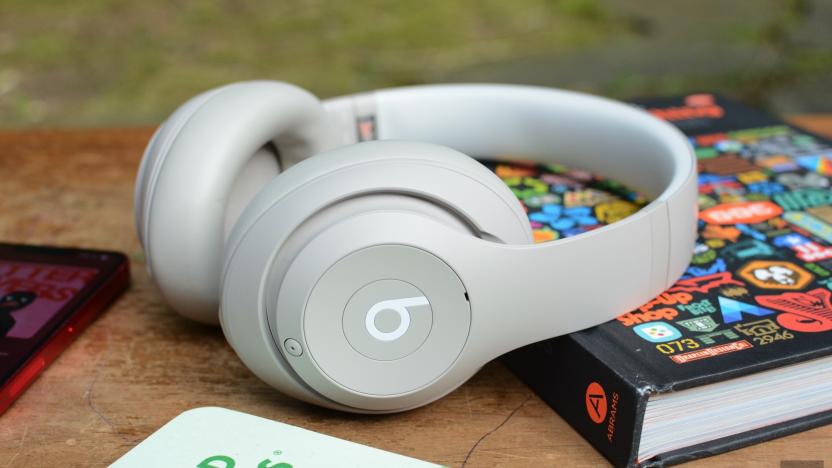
(379, 276)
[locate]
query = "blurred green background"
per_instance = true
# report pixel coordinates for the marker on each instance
(112, 63)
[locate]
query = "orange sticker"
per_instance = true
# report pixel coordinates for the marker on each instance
(704, 284)
(633, 318)
(722, 233)
(688, 112)
(748, 212)
(596, 402)
(775, 274)
(711, 352)
(808, 312)
(700, 100)
(667, 298)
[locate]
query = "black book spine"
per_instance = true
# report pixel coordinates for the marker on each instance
(606, 407)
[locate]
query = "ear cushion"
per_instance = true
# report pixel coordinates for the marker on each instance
(491, 220)
(438, 175)
(158, 147)
(190, 168)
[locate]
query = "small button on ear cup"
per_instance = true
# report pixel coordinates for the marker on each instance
(201, 167)
(369, 340)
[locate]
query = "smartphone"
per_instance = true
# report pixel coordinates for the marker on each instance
(48, 296)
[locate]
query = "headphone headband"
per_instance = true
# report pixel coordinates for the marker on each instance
(526, 123)
(512, 122)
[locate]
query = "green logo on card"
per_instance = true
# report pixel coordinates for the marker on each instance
(222, 461)
(699, 324)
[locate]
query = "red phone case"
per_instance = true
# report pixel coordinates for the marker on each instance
(109, 283)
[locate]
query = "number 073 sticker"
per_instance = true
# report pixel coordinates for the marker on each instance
(676, 346)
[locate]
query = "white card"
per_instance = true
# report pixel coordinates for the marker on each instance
(221, 438)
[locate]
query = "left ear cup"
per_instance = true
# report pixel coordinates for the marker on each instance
(158, 148)
(200, 169)
(323, 210)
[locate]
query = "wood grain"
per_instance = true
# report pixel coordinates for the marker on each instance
(140, 364)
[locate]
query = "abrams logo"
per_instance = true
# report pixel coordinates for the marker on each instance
(596, 403)
(597, 407)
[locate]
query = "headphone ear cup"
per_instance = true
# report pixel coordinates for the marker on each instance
(202, 165)
(157, 147)
(420, 179)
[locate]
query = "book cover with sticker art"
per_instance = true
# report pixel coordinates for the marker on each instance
(739, 350)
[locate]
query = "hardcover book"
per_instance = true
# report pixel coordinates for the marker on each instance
(739, 350)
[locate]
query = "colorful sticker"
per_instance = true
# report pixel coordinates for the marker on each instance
(699, 324)
(771, 274)
(811, 224)
(732, 311)
(657, 332)
(711, 352)
(741, 213)
(809, 312)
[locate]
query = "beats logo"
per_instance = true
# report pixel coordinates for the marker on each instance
(596, 402)
(399, 307)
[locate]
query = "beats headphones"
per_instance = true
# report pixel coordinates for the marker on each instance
(377, 276)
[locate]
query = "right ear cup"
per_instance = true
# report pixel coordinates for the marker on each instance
(200, 169)
(289, 239)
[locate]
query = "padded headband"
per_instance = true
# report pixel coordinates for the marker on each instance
(600, 135)
(603, 136)
(528, 123)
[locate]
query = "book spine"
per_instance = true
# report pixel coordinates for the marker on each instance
(606, 408)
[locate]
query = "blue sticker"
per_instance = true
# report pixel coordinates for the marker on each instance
(748, 248)
(732, 310)
(657, 332)
(750, 232)
(717, 267)
(790, 240)
(766, 188)
(811, 224)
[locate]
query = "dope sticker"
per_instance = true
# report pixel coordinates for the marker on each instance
(748, 212)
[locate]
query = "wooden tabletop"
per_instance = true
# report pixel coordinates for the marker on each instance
(139, 364)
